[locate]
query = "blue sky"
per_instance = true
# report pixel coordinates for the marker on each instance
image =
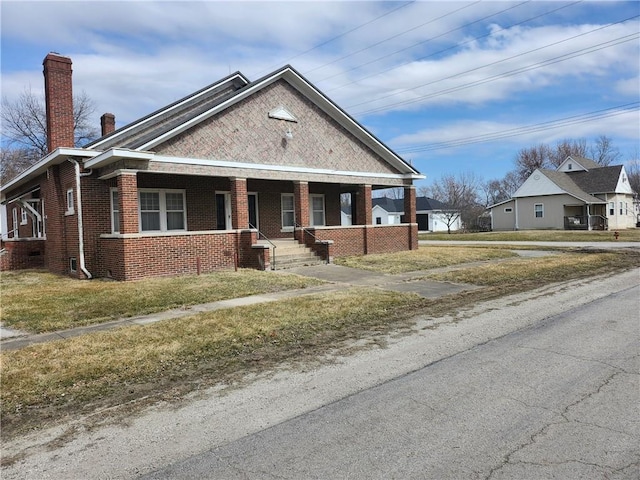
(451, 86)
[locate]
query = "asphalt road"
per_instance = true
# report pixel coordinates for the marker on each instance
(559, 399)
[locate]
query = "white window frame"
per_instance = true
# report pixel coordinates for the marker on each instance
(312, 211)
(508, 210)
(14, 214)
(70, 202)
(23, 216)
(621, 208)
(612, 209)
(283, 211)
(163, 209)
(115, 208)
(541, 210)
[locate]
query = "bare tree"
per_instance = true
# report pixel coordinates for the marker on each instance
(460, 194)
(13, 162)
(529, 159)
(566, 148)
(603, 152)
(24, 127)
(498, 190)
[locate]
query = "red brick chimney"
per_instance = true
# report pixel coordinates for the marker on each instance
(59, 101)
(107, 123)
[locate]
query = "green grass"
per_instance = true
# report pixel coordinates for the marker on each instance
(629, 235)
(38, 301)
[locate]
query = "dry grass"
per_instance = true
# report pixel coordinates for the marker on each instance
(38, 301)
(424, 258)
(43, 381)
(525, 273)
(629, 235)
(129, 366)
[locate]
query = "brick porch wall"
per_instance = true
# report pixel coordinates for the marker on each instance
(19, 254)
(364, 239)
(180, 254)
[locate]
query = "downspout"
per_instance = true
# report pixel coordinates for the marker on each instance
(515, 207)
(83, 267)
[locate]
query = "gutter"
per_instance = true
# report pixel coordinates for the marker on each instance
(83, 266)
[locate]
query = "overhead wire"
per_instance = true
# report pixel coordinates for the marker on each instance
(526, 129)
(322, 44)
(534, 66)
(458, 45)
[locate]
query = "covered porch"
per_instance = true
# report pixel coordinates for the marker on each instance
(585, 217)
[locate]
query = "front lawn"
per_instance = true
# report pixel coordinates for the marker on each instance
(629, 235)
(37, 301)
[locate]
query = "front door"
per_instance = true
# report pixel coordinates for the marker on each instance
(253, 211)
(223, 211)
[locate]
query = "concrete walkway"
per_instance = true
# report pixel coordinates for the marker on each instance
(338, 278)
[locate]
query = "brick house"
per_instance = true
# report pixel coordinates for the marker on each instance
(194, 186)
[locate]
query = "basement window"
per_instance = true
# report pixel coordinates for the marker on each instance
(73, 264)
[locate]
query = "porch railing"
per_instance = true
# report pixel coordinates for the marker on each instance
(273, 245)
(586, 222)
(317, 240)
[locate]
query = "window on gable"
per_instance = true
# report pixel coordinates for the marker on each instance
(70, 209)
(162, 210)
(538, 208)
(115, 211)
(288, 214)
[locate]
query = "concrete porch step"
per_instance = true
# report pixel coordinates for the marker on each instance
(290, 254)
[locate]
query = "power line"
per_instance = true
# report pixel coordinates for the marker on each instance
(458, 45)
(400, 34)
(339, 36)
(510, 73)
(519, 131)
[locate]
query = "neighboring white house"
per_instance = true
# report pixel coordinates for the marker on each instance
(431, 215)
(579, 195)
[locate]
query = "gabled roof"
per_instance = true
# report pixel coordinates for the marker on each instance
(584, 162)
(167, 118)
(423, 204)
(166, 123)
(598, 180)
(564, 183)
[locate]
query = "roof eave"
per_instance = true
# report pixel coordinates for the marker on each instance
(56, 157)
(115, 154)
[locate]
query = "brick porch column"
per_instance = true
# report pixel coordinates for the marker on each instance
(301, 203)
(239, 204)
(410, 215)
(364, 212)
(128, 202)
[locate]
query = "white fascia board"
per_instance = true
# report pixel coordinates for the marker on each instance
(56, 157)
(282, 168)
(164, 111)
(114, 154)
(310, 92)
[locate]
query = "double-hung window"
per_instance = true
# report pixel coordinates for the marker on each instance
(162, 210)
(538, 209)
(316, 203)
(612, 208)
(115, 211)
(288, 214)
(70, 209)
(23, 216)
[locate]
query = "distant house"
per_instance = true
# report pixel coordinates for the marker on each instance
(431, 215)
(579, 195)
(199, 184)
